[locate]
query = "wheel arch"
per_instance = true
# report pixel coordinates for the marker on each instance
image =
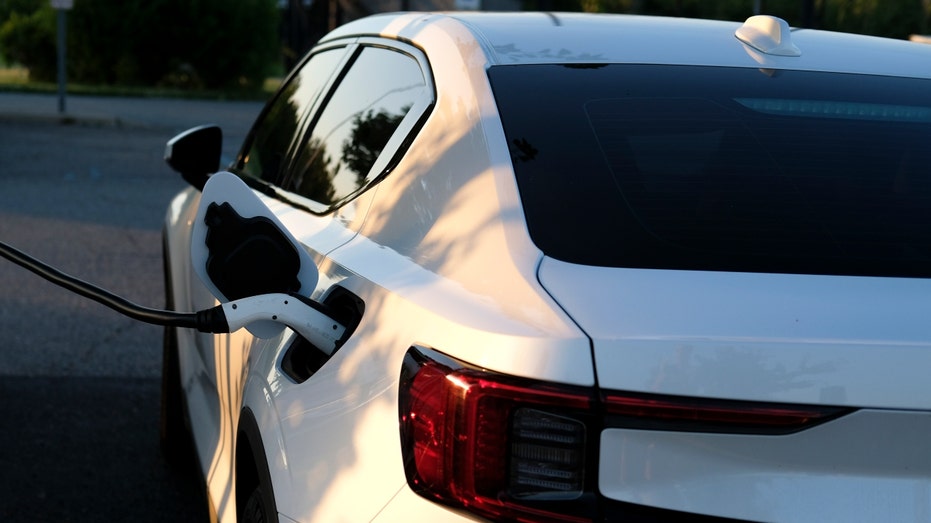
(251, 464)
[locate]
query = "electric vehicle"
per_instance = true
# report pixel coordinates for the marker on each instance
(577, 268)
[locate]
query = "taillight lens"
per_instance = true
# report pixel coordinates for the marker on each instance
(677, 413)
(502, 447)
(513, 449)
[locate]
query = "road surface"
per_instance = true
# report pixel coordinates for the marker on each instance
(79, 384)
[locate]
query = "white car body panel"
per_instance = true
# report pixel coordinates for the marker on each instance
(354, 396)
(867, 466)
(502, 315)
(526, 38)
(503, 312)
(209, 364)
(215, 368)
(332, 442)
(842, 341)
(406, 502)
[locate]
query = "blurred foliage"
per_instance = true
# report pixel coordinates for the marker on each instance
(897, 19)
(891, 18)
(223, 45)
(8, 7)
(27, 36)
(197, 44)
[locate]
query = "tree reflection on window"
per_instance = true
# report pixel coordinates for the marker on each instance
(370, 132)
(356, 124)
(317, 170)
(273, 140)
(268, 149)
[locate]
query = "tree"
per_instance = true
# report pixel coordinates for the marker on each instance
(27, 37)
(370, 132)
(186, 43)
(896, 19)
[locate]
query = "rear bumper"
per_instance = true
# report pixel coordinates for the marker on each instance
(871, 465)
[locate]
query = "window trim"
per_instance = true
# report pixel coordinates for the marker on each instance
(394, 149)
(305, 119)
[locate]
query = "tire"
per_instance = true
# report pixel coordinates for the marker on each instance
(255, 509)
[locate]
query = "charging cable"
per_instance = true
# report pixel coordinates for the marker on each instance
(305, 316)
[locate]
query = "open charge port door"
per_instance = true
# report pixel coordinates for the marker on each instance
(302, 359)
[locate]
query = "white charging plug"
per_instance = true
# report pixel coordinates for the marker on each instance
(303, 315)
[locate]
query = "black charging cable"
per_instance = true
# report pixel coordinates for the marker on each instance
(209, 320)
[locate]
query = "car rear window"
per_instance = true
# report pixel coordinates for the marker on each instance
(724, 169)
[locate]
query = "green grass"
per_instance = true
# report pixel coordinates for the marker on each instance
(13, 76)
(16, 79)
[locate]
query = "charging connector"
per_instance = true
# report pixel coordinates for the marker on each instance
(305, 316)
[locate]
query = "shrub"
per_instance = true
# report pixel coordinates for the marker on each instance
(27, 37)
(897, 19)
(213, 44)
(186, 43)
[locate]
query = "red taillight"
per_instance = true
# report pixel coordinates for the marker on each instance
(502, 447)
(659, 412)
(512, 449)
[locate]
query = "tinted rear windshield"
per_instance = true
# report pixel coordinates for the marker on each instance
(725, 169)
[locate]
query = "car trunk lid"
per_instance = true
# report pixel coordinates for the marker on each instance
(834, 340)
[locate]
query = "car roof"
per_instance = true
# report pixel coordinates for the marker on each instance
(535, 37)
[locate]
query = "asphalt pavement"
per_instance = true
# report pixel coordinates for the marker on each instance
(168, 115)
(154, 113)
(86, 191)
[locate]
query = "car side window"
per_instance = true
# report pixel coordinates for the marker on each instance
(270, 145)
(337, 158)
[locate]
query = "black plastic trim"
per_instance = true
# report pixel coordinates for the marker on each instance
(250, 435)
(620, 511)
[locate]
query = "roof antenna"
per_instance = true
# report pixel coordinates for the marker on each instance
(769, 35)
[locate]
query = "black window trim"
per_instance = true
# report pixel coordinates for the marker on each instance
(397, 145)
(310, 116)
(310, 119)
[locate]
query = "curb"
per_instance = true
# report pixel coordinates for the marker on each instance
(83, 120)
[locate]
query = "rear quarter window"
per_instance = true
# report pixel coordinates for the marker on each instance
(266, 154)
(369, 104)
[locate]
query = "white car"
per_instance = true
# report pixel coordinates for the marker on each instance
(577, 267)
